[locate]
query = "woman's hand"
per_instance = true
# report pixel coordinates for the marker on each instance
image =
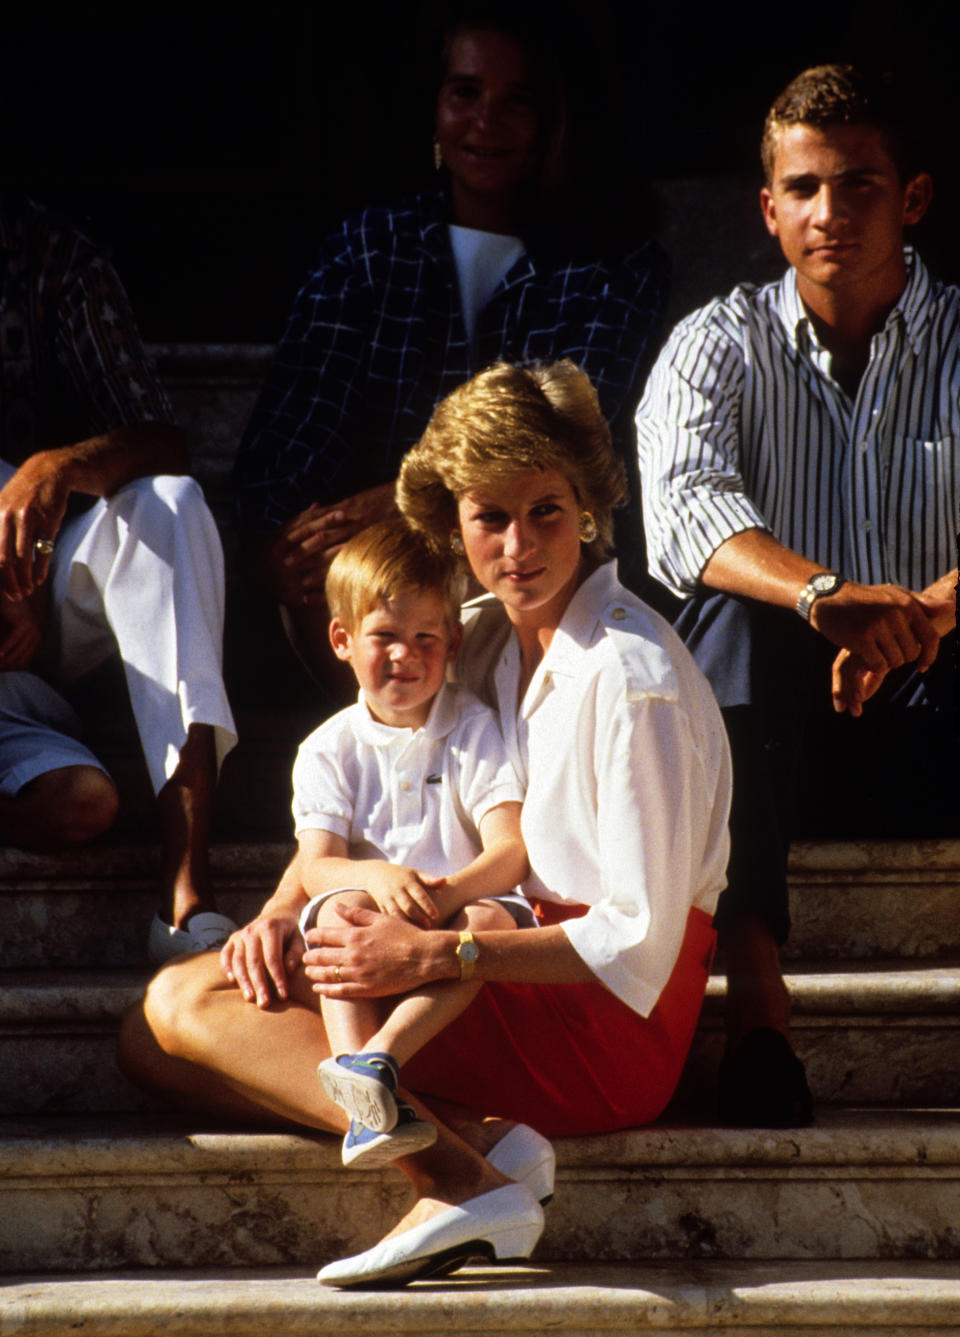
(260, 957)
(375, 956)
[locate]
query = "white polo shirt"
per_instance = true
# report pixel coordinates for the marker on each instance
(624, 755)
(410, 796)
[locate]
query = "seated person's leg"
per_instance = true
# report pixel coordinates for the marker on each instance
(143, 573)
(53, 791)
(767, 670)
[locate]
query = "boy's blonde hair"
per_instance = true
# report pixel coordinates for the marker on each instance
(506, 421)
(386, 560)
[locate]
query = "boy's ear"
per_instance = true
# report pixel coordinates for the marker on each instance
(456, 636)
(339, 639)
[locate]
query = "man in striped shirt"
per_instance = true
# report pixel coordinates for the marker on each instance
(800, 458)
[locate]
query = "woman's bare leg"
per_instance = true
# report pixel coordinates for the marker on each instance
(196, 1038)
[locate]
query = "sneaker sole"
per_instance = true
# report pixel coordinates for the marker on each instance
(364, 1098)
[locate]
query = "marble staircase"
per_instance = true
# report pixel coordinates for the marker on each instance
(121, 1219)
(117, 1216)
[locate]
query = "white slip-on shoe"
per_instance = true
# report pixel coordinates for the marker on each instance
(205, 932)
(523, 1155)
(501, 1225)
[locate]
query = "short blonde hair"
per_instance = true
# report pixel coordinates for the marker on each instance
(385, 560)
(507, 421)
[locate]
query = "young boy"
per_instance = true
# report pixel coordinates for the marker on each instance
(405, 803)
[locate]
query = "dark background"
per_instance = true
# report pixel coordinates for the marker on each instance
(211, 146)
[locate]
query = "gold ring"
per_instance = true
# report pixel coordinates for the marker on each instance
(339, 976)
(43, 546)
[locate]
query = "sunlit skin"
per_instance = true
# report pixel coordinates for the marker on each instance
(487, 127)
(399, 653)
(838, 208)
(522, 540)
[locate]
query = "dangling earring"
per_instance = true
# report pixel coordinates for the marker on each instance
(588, 527)
(437, 155)
(456, 542)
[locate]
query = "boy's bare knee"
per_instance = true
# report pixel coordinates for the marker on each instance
(484, 917)
(327, 913)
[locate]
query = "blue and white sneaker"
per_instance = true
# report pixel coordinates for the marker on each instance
(364, 1149)
(364, 1086)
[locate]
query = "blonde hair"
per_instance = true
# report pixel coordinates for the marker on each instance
(385, 560)
(507, 421)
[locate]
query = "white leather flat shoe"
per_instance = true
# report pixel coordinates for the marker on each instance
(523, 1155)
(501, 1225)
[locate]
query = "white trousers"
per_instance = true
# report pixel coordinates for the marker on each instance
(141, 573)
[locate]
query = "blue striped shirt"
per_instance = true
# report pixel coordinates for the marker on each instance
(742, 427)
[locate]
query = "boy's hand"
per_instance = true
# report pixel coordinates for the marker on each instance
(404, 892)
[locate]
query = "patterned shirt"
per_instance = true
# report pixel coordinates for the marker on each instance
(377, 338)
(742, 426)
(72, 363)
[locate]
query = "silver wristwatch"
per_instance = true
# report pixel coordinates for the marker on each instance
(818, 587)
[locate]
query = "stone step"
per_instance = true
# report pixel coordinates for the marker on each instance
(867, 1036)
(89, 1195)
(94, 907)
(734, 1299)
(851, 900)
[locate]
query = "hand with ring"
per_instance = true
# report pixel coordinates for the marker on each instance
(43, 546)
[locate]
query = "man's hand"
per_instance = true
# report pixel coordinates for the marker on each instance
(261, 957)
(884, 626)
(299, 558)
(402, 892)
(21, 634)
(32, 507)
(852, 683)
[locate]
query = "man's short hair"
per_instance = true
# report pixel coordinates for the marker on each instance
(828, 95)
(386, 560)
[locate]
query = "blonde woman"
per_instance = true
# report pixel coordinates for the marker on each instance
(584, 1024)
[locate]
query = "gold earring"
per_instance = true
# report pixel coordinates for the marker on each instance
(588, 527)
(437, 155)
(456, 542)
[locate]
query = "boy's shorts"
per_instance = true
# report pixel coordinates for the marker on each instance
(514, 901)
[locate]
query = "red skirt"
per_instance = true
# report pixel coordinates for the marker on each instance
(569, 1058)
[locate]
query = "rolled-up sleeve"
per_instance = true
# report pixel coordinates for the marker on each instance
(688, 442)
(661, 848)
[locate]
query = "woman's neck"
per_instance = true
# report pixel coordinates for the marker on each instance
(535, 627)
(484, 213)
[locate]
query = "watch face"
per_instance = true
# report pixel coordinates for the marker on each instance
(468, 951)
(823, 582)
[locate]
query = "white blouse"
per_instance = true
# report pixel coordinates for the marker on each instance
(624, 754)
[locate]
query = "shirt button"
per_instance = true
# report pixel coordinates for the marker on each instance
(866, 526)
(404, 786)
(863, 447)
(619, 614)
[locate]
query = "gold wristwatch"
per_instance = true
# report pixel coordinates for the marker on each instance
(467, 953)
